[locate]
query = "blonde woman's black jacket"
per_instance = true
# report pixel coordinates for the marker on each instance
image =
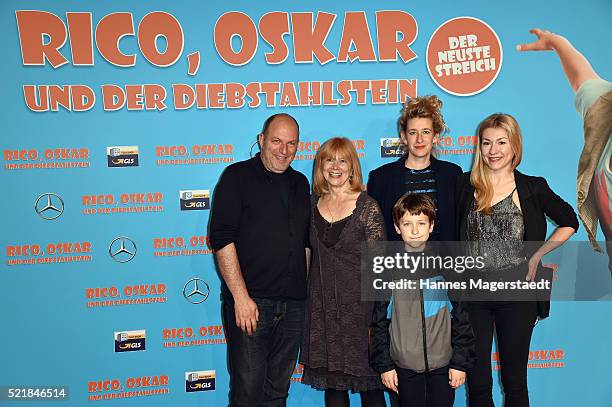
(537, 201)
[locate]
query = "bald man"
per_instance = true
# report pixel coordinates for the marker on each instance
(259, 231)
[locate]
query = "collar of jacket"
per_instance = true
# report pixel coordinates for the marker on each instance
(401, 162)
(258, 164)
(525, 194)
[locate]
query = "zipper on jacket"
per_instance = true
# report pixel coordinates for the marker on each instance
(424, 328)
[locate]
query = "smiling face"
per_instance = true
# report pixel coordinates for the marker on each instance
(419, 136)
(414, 229)
(336, 171)
(496, 149)
(279, 145)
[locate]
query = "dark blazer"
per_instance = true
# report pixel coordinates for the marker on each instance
(537, 202)
(386, 186)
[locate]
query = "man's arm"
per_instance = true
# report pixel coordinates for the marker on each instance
(576, 67)
(224, 231)
(246, 311)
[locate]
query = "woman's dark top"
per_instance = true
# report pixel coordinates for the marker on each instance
(498, 236)
(336, 328)
(329, 232)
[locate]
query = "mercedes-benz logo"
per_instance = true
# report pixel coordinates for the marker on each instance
(196, 290)
(122, 249)
(49, 206)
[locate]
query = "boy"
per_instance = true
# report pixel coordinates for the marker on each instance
(423, 352)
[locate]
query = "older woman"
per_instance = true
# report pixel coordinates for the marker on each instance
(498, 209)
(335, 342)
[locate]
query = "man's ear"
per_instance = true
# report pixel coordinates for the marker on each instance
(431, 226)
(260, 138)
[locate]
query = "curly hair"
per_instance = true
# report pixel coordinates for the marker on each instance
(424, 107)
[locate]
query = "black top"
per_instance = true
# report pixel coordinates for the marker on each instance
(268, 226)
(329, 232)
(386, 187)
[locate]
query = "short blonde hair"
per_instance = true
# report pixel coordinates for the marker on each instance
(332, 148)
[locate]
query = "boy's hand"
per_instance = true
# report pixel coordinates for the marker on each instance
(456, 378)
(389, 379)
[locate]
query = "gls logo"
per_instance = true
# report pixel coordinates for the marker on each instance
(194, 200)
(391, 147)
(122, 156)
(130, 341)
(200, 381)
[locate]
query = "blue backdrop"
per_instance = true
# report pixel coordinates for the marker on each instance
(74, 305)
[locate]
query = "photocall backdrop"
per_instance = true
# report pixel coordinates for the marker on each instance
(119, 118)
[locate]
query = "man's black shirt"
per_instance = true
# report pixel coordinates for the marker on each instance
(268, 222)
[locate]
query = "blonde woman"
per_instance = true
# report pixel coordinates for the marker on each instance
(335, 342)
(497, 203)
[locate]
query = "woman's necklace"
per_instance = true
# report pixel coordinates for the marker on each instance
(331, 214)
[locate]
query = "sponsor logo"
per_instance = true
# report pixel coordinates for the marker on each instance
(122, 156)
(194, 200)
(49, 206)
(538, 359)
(130, 341)
(56, 252)
(133, 202)
(195, 155)
(122, 249)
(391, 147)
(456, 145)
(186, 336)
(50, 158)
(204, 380)
(141, 386)
(181, 246)
(307, 149)
(138, 294)
(196, 290)
(298, 371)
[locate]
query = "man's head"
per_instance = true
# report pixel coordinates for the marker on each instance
(414, 216)
(278, 142)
